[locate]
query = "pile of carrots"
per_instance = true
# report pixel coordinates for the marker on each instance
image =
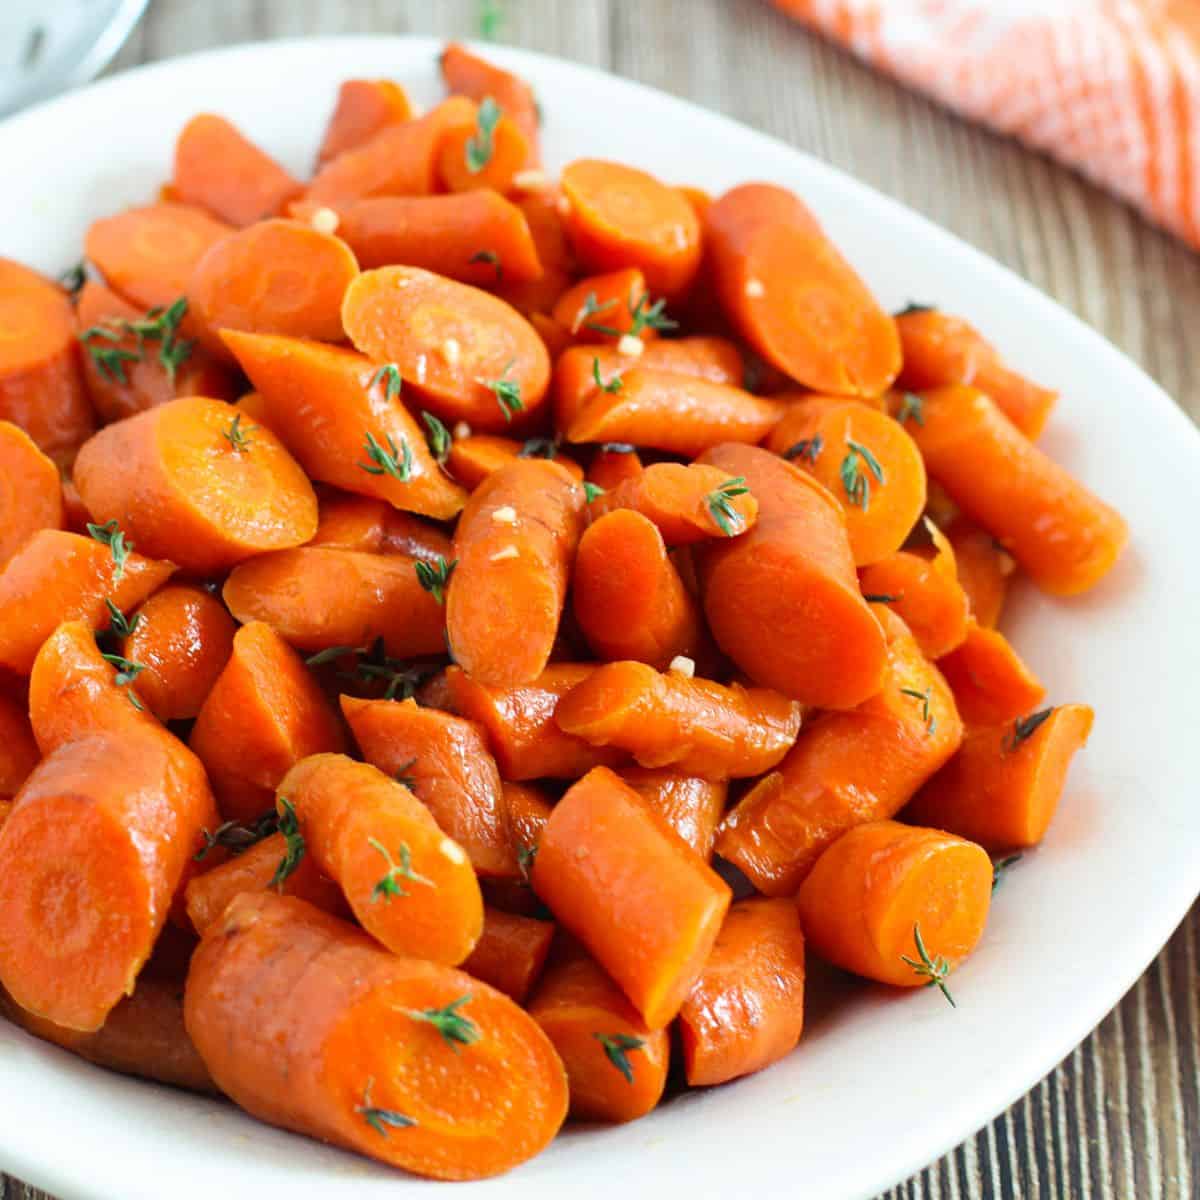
(464, 632)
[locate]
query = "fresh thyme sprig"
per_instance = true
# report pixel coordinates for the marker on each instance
(390, 884)
(1024, 728)
(720, 504)
(396, 462)
(936, 970)
(438, 437)
(456, 1030)
(109, 534)
(482, 142)
(294, 844)
(927, 715)
(854, 480)
(381, 1119)
(617, 1048)
(507, 392)
(435, 576)
(808, 448)
(389, 375)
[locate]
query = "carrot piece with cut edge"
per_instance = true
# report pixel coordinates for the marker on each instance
(350, 522)
(527, 810)
(473, 458)
(412, 1063)
(409, 885)
(983, 569)
(792, 574)
(605, 861)
(41, 388)
(1003, 786)
(845, 768)
(691, 805)
(616, 1065)
(510, 953)
(514, 546)
(612, 465)
(785, 287)
(746, 1010)
(19, 752)
(489, 153)
(468, 74)
(31, 493)
(554, 336)
(219, 169)
(264, 714)
(363, 108)
(990, 681)
(896, 903)
(76, 517)
(190, 483)
(601, 309)
(540, 209)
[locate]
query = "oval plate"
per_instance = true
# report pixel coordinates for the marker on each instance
(882, 1083)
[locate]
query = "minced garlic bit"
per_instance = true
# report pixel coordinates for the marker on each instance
(755, 289)
(461, 430)
(507, 552)
(451, 350)
(630, 346)
(532, 180)
(507, 515)
(682, 665)
(324, 220)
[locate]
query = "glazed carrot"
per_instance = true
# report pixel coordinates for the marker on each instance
(148, 254)
(190, 485)
(40, 385)
(343, 419)
(612, 465)
(1058, 531)
(405, 534)
(676, 413)
(444, 761)
(921, 585)
(1001, 789)
(540, 209)
(469, 75)
(692, 806)
(687, 503)
(31, 494)
(119, 816)
(646, 906)
(280, 277)
(510, 952)
(983, 569)
(868, 463)
(990, 681)
(881, 886)
(698, 198)
(76, 518)
(476, 237)
(182, 637)
(217, 168)
(5, 811)
(694, 725)
(793, 574)
(794, 298)
(490, 152)
(628, 597)
(18, 751)
(616, 1065)
(58, 576)
(940, 349)
(514, 546)
(258, 869)
(348, 522)
(363, 108)
(143, 1036)
(125, 373)
(263, 714)
(555, 337)
(409, 1062)
(845, 768)
(473, 458)
(469, 355)
(318, 597)
(409, 885)
(399, 160)
(623, 217)
(746, 1010)
(253, 408)
(602, 309)
(527, 810)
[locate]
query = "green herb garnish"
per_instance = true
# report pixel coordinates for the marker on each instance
(238, 437)
(121, 625)
(591, 308)
(614, 385)
(480, 144)
(380, 1119)
(912, 407)
(389, 375)
(390, 885)
(456, 1030)
(926, 715)
(854, 480)
(913, 307)
(73, 278)
(1024, 728)
(491, 258)
(617, 1048)
(1001, 867)
(937, 969)
(434, 576)
(127, 672)
(437, 435)
(236, 836)
(720, 505)
(591, 491)
(397, 463)
(809, 448)
(882, 597)
(507, 392)
(294, 845)
(403, 775)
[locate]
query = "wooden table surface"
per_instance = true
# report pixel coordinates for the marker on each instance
(1120, 1118)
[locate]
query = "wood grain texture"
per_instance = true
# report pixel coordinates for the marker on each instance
(1120, 1118)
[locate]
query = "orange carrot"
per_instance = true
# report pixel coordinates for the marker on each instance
(58, 576)
(490, 152)
(40, 385)
(603, 308)
(473, 458)
(343, 419)
(182, 637)
(990, 681)
(409, 885)
(263, 714)
(793, 574)
(541, 212)
(623, 217)
(692, 806)
(217, 168)
(476, 237)
(644, 904)
(898, 904)
(983, 569)
(514, 546)
(616, 1065)
(76, 518)
(31, 494)
(5, 811)
(554, 336)
(510, 952)
(364, 107)
(1062, 535)
(746, 1010)
(115, 819)
(280, 277)
(845, 768)
(794, 298)
(409, 1062)
(18, 751)
(528, 811)
(444, 761)
(1001, 789)
(318, 597)
(940, 349)
(467, 74)
(190, 484)
(469, 355)
(348, 522)
(612, 465)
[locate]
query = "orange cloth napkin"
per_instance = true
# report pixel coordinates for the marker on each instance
(1111, 87)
